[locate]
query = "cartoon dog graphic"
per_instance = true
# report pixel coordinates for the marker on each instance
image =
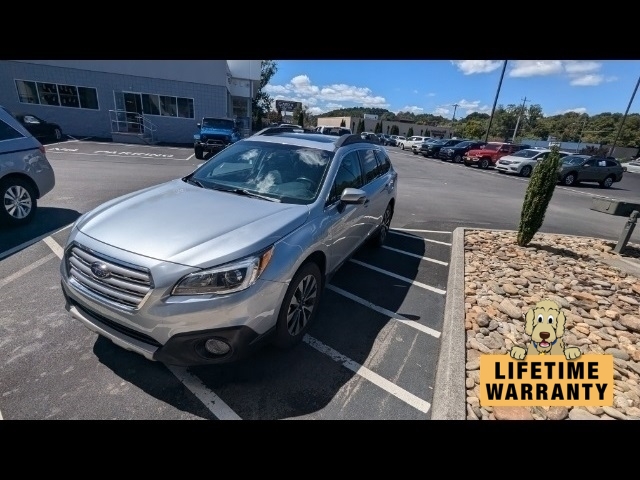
(544, 323)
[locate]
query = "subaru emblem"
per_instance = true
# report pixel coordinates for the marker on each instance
(100, 270)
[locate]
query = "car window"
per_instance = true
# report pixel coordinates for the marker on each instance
(349, 175)
(611, 163)
(592, 162)
(7, 132)
(369, 165)
(383, 161)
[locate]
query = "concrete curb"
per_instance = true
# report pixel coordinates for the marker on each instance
(449, 395)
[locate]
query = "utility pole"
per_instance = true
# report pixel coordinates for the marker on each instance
(495, 101)
(515, 131)
(624, 118)
(581, 133)
(455, 107)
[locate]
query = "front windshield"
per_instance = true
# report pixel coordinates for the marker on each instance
(440, 142)
(571, 160)
(287, 173)
(526, 153)
(218, 123)
(464, 144)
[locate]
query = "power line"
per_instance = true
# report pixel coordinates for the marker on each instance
(495, 101)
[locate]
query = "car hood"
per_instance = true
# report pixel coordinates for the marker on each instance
(512, 158)
(186, 224)
(216, 131)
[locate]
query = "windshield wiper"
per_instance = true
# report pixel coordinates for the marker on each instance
(193, 181)
(247, 193)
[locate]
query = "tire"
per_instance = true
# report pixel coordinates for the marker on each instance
(414, 152)
(19, 201)
(57, 134)
(526, 171)
(294, 320)
(457, 159)
(569, 179)
(378, 239)
(484, 163)
(199, 153)
(607, 182)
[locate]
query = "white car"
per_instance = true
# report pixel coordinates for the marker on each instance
(524, 161)
(411, 141)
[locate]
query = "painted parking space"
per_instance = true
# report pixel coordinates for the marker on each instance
(110, 150)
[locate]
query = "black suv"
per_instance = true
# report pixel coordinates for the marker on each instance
(432, 149)
(455, 153)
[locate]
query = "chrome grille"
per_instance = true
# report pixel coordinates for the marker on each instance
(125, 285)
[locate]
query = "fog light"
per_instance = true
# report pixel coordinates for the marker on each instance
(217, 347)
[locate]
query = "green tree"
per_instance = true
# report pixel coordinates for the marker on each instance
(410, 132)
(395, 130)
(261, 102)
(342, 123)
(301, 117)
(536, 200)
(279, 116)
(361, 126)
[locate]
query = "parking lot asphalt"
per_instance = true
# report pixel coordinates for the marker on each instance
(373, 353)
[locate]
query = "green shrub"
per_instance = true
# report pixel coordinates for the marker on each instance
(539, 192)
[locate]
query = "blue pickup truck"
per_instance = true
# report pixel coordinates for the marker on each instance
(214, 135)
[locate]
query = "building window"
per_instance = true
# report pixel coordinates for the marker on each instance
(185, 108)
(150, 104)
(48, 94)
(68, 96)
(27, 92)
(168, 106)
(88, 98)
(57, 95)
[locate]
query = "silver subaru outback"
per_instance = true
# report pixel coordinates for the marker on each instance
(205, 268)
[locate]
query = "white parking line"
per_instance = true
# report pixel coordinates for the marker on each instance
(214, 403)
(120, 156)
(1, 416)
(425, 239)
(26, 269)
(24, 245)
(383, 383)
(53, 245)
(399, 277)
(423, 231)
(433, 260)
(384, 311)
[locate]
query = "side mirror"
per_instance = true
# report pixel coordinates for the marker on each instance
(198, 125)
(353, 196)
(585, 166)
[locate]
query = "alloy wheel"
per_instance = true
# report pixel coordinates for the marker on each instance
(17, 202)
(302, 304)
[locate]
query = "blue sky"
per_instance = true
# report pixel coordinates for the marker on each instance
(435, 86)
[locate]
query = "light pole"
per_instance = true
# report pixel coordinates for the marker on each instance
(495, 101)
(624, 118)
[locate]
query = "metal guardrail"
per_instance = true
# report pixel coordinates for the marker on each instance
(130, 122)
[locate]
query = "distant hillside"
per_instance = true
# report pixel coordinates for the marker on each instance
(355, 112)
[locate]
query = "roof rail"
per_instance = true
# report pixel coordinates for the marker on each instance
(276, 130)
(349, 139)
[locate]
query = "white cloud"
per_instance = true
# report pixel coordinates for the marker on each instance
(530, 68)
(470, 107)
(579, 110)
(325, 98)
(316, 110)
(581, 66)
(431, 94)
(469, 67)
(443, 112)
(589, 80)
(412, 109)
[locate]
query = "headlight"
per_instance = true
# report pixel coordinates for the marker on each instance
(225, 279)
